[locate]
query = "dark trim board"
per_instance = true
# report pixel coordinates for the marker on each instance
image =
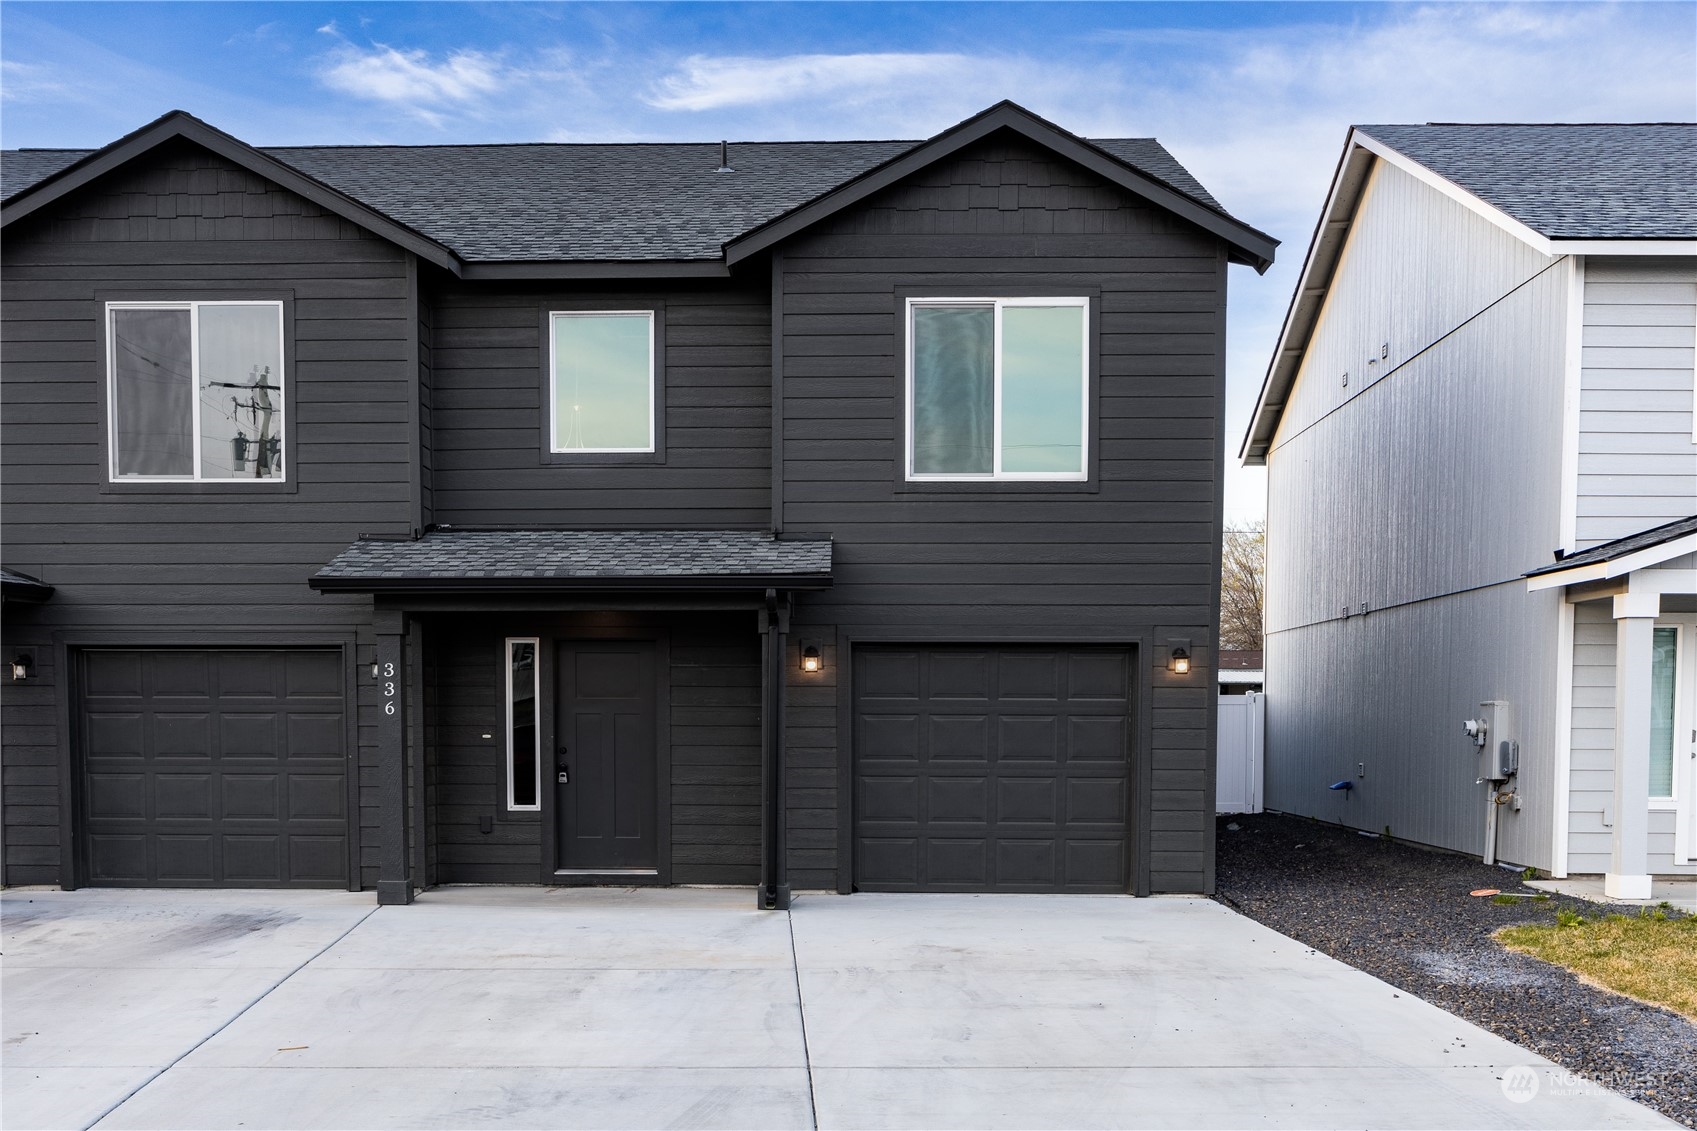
(1137, 848)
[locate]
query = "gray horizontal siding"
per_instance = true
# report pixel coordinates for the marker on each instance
(179, 224)
(1134, 553)
(489, 416)
(1637, 450)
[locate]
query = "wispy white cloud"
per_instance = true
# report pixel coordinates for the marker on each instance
(703, 82)
(414, 80)
(32, 82)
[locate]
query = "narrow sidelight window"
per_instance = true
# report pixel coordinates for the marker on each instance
(195, 390)
(1664, 661)
(997, 388)
(602, 366)
(524, 739)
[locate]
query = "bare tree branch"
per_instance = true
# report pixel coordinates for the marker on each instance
(1243, 574)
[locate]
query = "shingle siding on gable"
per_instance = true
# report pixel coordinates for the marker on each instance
(490, 415)
(1637, 451)
(1130, 554)
(184, 559)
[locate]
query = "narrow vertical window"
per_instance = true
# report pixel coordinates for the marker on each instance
(524, 738)
(196, 390)
(998, 388)
(602, 381)
(1664, 660)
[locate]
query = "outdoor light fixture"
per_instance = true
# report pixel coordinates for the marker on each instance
(374, 669)
(1179, 662)
(810, 658)
(23, 666)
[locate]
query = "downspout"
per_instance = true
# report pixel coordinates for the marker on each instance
(774, 894)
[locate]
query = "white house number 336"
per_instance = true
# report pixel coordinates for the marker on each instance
(388, 689)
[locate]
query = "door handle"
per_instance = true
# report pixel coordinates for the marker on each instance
(564, 776)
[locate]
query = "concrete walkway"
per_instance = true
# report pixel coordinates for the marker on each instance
(515, 1008)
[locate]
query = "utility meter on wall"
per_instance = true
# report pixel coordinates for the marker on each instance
(1499, 750)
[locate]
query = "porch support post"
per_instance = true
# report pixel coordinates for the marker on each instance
(774, 624)
(394, 862)
(1628, 876)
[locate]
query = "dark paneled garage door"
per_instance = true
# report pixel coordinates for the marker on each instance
(214, 768)
(991, 769)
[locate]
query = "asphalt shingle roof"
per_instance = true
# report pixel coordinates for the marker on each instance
(495, 203)
(1621, 547)
(1631, 181)
(567, 556)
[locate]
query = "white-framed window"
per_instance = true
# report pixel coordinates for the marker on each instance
(195, 391)
(524, 736)
(1673, 710)
(601, 380)
(998, 388)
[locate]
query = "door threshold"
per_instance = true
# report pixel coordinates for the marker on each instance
(606, 871)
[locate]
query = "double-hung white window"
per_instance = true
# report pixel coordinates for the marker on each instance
(601, 380)
(195, 391)
(998, 388)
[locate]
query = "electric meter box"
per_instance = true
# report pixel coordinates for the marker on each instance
(1499, 758)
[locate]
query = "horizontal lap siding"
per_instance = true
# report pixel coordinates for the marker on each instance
(1135, 555)
(1637, 450)
(184, 224)
(715, 738)
(489, 415)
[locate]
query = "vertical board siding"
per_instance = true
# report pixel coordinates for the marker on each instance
(1637, 450)
(182, 558)
(1422, 491)
(1133, 553)
(490, 415)
(1591, 794)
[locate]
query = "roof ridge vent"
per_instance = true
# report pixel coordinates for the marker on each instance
(724, 158)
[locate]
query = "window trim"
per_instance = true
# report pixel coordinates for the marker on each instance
(1684, 713)
(196, 480)
(999, 304)
(507, 718)
(654, 418)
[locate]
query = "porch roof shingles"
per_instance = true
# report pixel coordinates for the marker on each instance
(1621, 547)
(459, 559)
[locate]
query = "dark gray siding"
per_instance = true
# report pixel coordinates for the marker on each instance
(1132, 554)
(714, 739)
(184, 562)
(490, 415)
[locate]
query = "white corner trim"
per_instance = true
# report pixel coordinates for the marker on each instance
(1603, 571)
(1637, 605)
(1563, 791)
(1573, 381)
(1509, 224)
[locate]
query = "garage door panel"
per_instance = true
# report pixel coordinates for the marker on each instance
(216, 772)
(1022, 776)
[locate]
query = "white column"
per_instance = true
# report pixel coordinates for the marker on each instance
(1628, 876)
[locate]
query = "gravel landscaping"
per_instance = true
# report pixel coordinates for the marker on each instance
(1404, 915)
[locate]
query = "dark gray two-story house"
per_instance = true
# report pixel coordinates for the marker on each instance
(836, 515)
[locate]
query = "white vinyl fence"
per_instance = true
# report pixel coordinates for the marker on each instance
(1242, 729)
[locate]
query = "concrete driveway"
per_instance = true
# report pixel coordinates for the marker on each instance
(514, 1007)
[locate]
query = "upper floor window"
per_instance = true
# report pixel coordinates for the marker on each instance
(195, 390)
(997, 388)
(602, 380)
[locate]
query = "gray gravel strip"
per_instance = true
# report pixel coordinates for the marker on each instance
(1403, 915)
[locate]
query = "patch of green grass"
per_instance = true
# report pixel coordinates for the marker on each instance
(1649, 957)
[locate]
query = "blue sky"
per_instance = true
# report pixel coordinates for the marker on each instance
(1254, 98)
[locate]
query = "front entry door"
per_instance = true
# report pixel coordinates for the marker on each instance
(605, 757)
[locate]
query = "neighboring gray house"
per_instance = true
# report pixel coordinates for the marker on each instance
(814, 514)
(1488, 366)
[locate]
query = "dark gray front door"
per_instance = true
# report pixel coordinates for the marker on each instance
(205, 768)
(605, 738)
(991, 768)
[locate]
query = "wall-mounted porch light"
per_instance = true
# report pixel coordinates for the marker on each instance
(810, 662)
(23, 667)
(1179, 662)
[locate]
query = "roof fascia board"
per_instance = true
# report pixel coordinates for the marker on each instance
(1623, 247)
(190, 128)
(567, 584)
(1603, 571)
(597, 269)
(1256, 245)
(1455, 192)
(1348, 181)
